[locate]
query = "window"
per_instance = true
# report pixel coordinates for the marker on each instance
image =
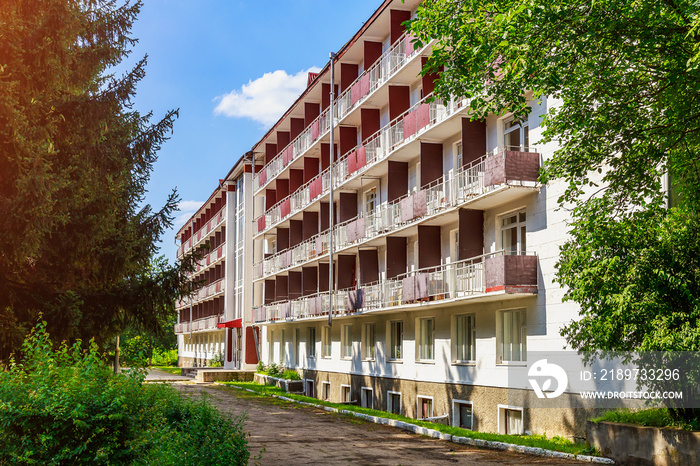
(458, 155)
(425, 407)
(311, 342)
(346, 342)
(465, 338)
(310, 388)
(510, 420)
(367, 399)
(326, 391)
(512, 335)
(516, 135)
(426, 339)
(396, 340)
(345, 396)
(271, 347)
(393, 402)
(370, 201)
(326, 342)
(368, 342)
(513, 233)
(462, 414)
(297, 346)
(283, 349)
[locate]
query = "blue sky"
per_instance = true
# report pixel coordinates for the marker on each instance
(215, 60)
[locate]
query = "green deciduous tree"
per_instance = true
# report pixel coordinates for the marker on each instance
(77, 241)
(626, 77)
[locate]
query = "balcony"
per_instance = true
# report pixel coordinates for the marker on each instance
(483, 278)
(313, 133)
(494, 179)
(205, 292)
(199, 325)
(420, 118)
(386, 66)
(216, 220)
(212, 258)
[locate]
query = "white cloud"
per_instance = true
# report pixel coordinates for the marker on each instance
(265, 99)
(187, 210)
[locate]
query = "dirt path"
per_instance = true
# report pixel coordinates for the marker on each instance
(293, 434)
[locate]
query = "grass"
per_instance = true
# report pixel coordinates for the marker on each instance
(537, 441)
(654, 417)
(169, 369)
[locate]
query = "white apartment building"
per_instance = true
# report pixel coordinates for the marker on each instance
(216, 322)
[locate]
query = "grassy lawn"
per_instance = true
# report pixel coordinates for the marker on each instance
(538, 441)
(655, 417)
(170, 369)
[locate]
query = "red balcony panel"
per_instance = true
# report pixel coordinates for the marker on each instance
(311, 166)
(352, 162)
(422, 116)
(262, 177)
(370, 120)
(261, 223)
(296, 232)
(512, 274)
(348, 206)
(282, 239)
(285, 207)
(409, 124)
(314, 130)
(296, 179)
(364, 85)
(399, 101)
(369, 266)
(355, 94)
(310, 225)
(283, 139)
(395, 256)
(430, 162)
(511, 166)
(471, 233)
(296, 127)
(361, 157)
(397, 183)
(348, 139)
(410, 46)
(429, 250)
(270, 198)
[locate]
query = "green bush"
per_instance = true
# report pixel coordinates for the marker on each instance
(290, 374)
(65, 406)
(163, 357)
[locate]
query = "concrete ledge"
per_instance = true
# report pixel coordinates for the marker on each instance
(442, 436)
(223, 375)
(289, 386)
(638, 445)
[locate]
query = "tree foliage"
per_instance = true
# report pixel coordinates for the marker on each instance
(625, 77)
(74, 162)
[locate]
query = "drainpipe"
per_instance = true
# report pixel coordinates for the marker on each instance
(331, 220)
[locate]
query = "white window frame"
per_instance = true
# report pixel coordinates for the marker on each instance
(456, 416)
(367, 393)
(311, 342)
(369, 341)
(419, 410)
(297, 347)
(470, 337)
(346, 341)
(389, 402)
(370, 196)
(326, 342)
(392, 356)
(425, 350)
(504, 355)
(458, 155)
(503, 420)
(343, 388)
(324, 386)
(283, 349)
(520, 226)
(523, 130)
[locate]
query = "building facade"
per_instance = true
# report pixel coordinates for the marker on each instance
(215, 324)
(444, 244)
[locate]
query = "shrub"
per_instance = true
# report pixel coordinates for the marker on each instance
(217, 360)
(163, 357)
(291, 374)
(65, 406)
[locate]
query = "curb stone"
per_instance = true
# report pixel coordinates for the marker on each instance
(420, 430)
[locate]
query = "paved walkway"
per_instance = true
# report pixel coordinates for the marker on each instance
(291, 434)
(155, 375)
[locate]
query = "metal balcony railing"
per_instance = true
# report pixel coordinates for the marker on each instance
(216, 220)
(456, 280)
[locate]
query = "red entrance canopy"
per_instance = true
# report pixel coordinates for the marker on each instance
(235, 323)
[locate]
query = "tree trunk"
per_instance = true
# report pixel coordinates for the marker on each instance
(116, 357)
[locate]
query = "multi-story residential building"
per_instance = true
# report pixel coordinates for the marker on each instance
(216, 321)
(444, 244)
